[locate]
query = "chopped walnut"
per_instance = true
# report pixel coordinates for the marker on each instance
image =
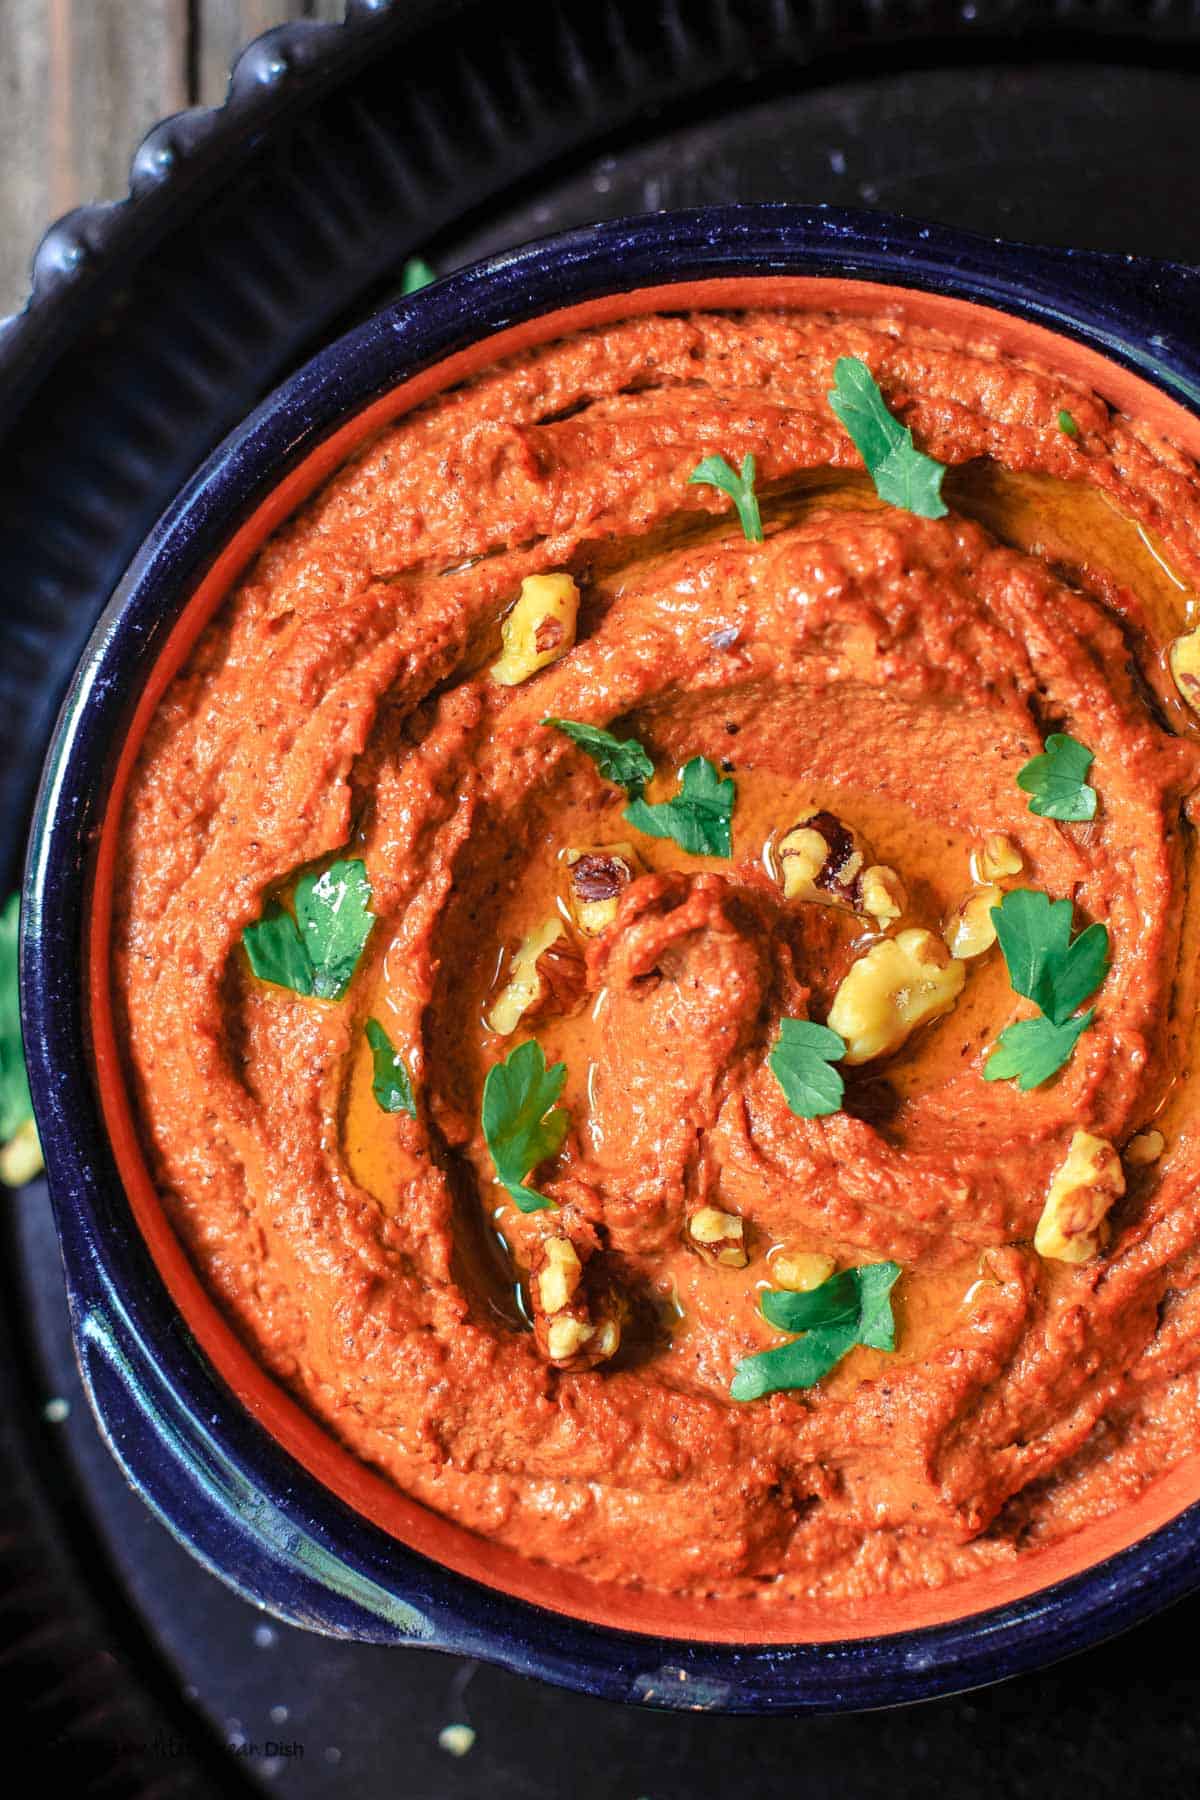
(882, 894)
(822, 859)
(560, 1275)
(539, 629)
(719, 1236)
(546, 974)
(576, 1320)
(800, 1271)
(897, 985)
(1145, 1149)
(998, 857)
(1072, 1224)
(1185, 667)
(596, 879)
(566, 1336)
(971, 929)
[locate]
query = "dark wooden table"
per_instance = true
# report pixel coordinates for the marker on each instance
(82, 80)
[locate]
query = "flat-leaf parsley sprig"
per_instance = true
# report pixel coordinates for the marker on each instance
(802, 1063)
(714, 471)
(698, 816)
(1057, 780)
(1054, 970)
(522, 1124)
(903, 475)
(622, 761)
(853, 1307)
(315, 952)
(391, 1083)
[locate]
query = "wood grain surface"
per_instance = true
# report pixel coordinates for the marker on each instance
(82, 80)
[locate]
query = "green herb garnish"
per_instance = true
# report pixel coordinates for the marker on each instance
(335, 919)
(1057, 973)
(518, 1124)
(714, 471)
(1067, 423)
(417, 274)
(1033, 1050)
(801, 1063)
(21, 1153)
(621, 760)
(1057, 780)
(391, 1083)
(903, 475)
(1044, 964)
(276, 950)
(850, 1308)
(317, 951)
(697, 817)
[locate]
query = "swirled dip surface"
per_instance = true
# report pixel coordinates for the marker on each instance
(892, 672)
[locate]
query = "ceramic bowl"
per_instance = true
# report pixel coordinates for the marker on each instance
(240, 1474)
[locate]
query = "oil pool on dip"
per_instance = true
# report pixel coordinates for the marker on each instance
(658, 953)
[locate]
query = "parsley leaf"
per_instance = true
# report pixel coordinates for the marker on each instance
(903, 475)
(714, 471)
(622, 760)
(801, 1064)
(1043, 964)
(853, 1307)
(520, 1129)
(21, 1158)
(317, 951)
(1032, 1050)
(1067, 423)
(1058, 780)
(391, 1084)
(276, 950)
(1056, 973)
(416, 275)
(335, 920)
(697, 817)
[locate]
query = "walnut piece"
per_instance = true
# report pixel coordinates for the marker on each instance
(560, 1275)
(971, 929)
(596, 879)
(800, 1271)
(546, 974)
(1072, 1224)
(719, 1236)
(898, 984)
(576, 1318)
(998, 857)
(882, 894)
(1185, 667)
(822, 859)
(1144, 1149)
(539, 629)
(565, 1337)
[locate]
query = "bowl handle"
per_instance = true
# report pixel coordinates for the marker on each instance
(1142, 311)
(271, 1555)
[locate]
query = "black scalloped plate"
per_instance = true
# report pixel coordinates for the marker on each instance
(255, 233)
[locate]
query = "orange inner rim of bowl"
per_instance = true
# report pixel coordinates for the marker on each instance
(716, 1621)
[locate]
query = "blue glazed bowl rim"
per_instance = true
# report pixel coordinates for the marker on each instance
(216, 1478)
